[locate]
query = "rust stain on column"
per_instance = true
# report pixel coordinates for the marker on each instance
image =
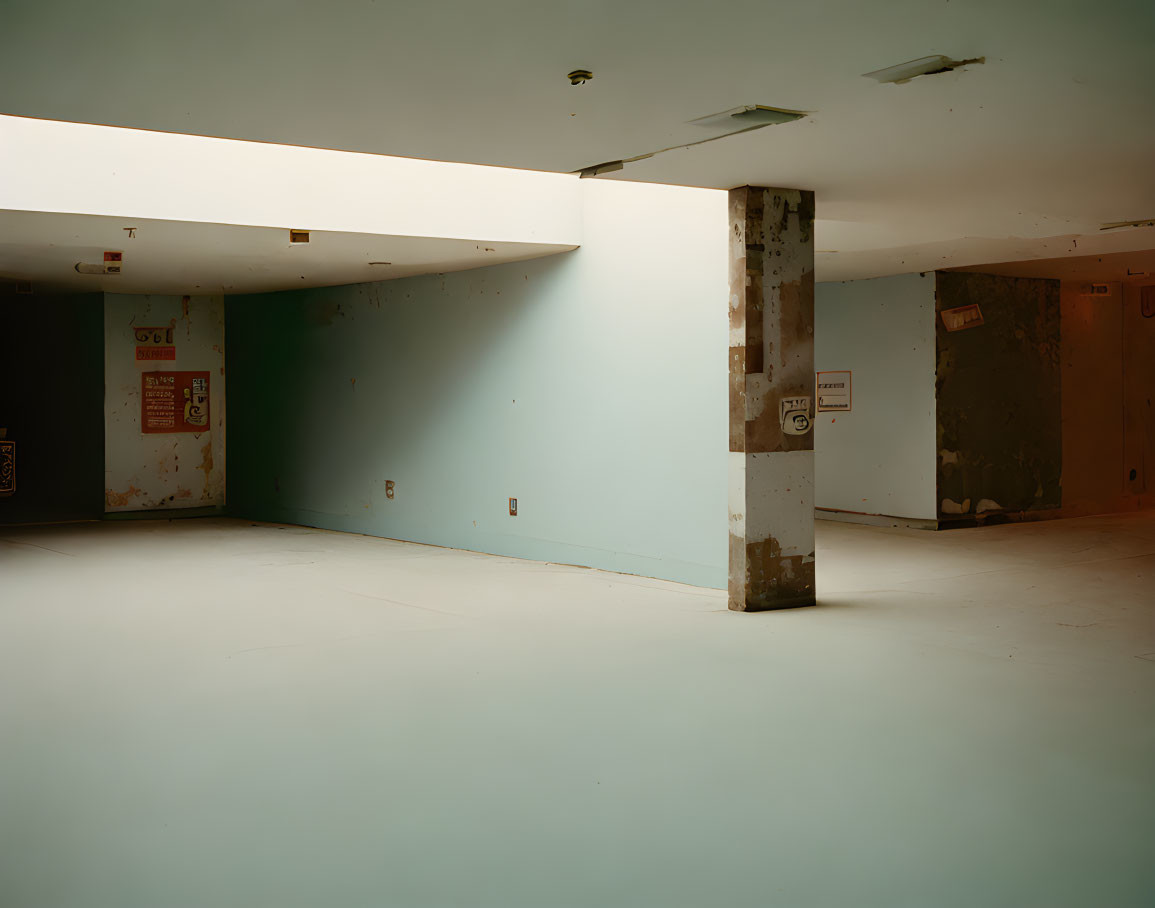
(738, 305)
(774, 282)
(755, 269)
(736, 585)
(737, 398)
(775, 580)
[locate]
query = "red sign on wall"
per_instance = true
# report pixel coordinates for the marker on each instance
(154, 343)
(174, 402)
(961, 318)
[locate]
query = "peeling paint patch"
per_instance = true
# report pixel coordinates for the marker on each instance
(954, 507)
(772, 311)
(737, 399)
(120, 499)
(206, 464)
(986, 504)
(736, 583)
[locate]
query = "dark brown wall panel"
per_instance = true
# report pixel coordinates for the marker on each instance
(999, 398)
(52, 404)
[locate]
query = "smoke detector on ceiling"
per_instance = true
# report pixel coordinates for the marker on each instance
(113, 263)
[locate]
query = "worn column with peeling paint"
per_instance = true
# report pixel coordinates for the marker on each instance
(771, 364)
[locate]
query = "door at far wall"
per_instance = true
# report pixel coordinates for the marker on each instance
(1139, 392)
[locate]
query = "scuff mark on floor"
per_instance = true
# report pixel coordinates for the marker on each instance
(424, 608)
(35, 546)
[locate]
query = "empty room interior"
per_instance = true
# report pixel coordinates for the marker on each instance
(637, 454)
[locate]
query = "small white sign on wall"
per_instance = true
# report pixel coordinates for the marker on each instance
(833, 391)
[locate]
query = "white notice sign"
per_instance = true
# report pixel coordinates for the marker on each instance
(833, 391)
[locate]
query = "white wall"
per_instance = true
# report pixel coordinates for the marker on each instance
(880, 457)
(178, 470)
(168, 176)
(591, 386)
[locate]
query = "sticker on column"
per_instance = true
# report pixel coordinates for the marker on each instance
(795, 412)
(196, 402)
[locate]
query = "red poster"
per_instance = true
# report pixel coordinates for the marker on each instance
(155, 343)
(174, 402)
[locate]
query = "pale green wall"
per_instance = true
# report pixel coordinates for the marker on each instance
(591, 386)
(880, 457)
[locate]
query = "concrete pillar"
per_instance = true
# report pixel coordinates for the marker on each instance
(771, 398)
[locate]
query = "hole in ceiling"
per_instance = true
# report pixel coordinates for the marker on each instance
(749, 117)
(923, 66)
(733, 121)
(1119, 225)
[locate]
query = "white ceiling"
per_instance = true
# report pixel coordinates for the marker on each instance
(187, 257)
(1126, 268)
(1052, 136)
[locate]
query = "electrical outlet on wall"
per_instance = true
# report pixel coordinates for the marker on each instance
(513, 507)
(389, 489)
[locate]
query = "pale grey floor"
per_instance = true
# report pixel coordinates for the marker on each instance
(209, 713)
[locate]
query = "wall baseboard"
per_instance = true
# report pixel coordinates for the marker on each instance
(875, 520)
(212, 510)
(994, 518)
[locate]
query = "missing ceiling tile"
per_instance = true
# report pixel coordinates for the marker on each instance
(1121, 225)
(923, 66)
